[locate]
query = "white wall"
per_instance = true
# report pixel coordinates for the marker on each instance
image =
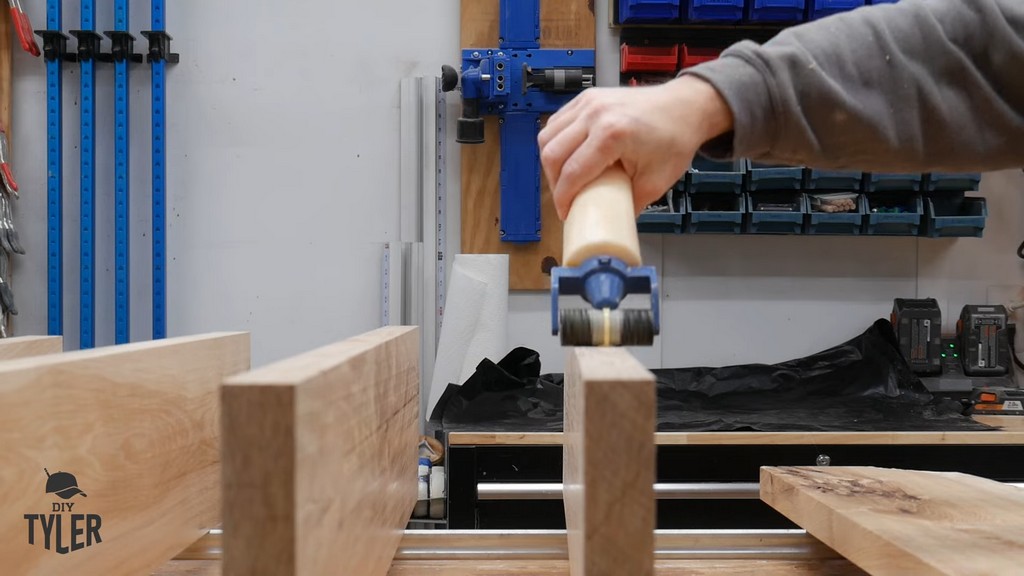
(283, 166)
(283, 156)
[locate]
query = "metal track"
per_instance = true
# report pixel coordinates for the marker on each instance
(441, 211)
(87, 254)
(122, 277)
(158, 69)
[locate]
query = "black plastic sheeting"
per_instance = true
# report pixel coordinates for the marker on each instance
(861, 385)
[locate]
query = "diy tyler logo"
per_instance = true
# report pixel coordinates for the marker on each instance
(64, 533)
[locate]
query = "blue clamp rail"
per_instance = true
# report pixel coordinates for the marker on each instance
(122, 52)
(54, 53)
(519, 81)
(159, 56)
(604, 282)
(88, 52)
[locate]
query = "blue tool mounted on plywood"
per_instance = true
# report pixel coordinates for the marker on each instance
(517, 81)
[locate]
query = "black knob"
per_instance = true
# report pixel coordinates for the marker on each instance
(470, 131)
(449, 78)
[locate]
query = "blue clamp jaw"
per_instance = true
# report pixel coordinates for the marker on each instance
(604, 282)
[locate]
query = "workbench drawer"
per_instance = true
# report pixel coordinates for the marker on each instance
(698, 486)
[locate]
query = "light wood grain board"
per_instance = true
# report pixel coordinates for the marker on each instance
(320, 458)
(1012, 433)
(561, 568)
(609, 463)
(6, 74)
(564, 24)
(896, 522)
(26, 346)
(138, 426)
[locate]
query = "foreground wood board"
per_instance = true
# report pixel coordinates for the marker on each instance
(905, 522)
(320, 458)
(561, 568)
(138, 427)
(609, 463)
(26, 346)
(564, 24)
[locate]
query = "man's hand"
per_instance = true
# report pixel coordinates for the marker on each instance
(654, 131)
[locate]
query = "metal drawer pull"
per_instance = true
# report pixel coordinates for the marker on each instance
(662, 491)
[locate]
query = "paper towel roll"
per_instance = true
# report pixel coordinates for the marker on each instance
(475, 320)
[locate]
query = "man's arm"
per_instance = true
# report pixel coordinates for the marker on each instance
(912, 86)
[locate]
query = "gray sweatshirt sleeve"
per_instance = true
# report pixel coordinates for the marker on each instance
(914, 86)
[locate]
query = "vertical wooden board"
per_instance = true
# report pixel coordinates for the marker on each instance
(609, 463)
(320, 458)
(896, 522)
(6, 46)
(26, 346)
(137, 426)
(564, 24)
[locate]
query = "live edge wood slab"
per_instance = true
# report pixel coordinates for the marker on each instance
(136, 429)
(609, 463)
(896, 522)
(320, 458)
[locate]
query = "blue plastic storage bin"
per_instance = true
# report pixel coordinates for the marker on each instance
(776, 10)
(639, 11)
(842, 223)
(775, 221)
(714, 213)
(954, 216)
(773, 177)
(714, 10)
(951, 182)
(882, 1)
(821, 8)
(707, 175)
(837, 180)
(879, 182)
(667, 220)
(884, 223)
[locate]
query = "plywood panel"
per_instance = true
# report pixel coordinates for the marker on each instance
(26, 346)
(320, 458)
(136, 428)
(564, 24)
(905, 522)
(609, 463)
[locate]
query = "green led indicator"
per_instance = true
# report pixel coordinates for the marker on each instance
(956, 355)
(952, 345)
(943, 354)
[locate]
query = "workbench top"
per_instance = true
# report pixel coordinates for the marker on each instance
(1011, 432)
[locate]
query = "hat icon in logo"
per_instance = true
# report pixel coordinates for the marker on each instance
(62, 484)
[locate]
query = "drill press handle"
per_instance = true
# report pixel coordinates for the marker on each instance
(602, 222)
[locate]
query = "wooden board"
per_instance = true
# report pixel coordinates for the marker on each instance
(26, 346)
(138, 428)
(320, 458)
(561, 568)
(905, 522)
(609, 463)
(564, 24)
(1012, 433)
(7, 42)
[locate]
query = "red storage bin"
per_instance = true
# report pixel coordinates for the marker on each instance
(691, 55)
(648, 58)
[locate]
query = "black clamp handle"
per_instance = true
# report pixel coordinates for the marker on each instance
(160, 46)
(55, 45)
(89, 46)
(122, 46)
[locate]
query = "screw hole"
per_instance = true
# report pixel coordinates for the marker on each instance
(500, 66)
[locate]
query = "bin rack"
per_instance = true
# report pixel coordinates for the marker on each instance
(693, 55)
(669, 221)
(954, 215)
(638, 59)
(773, 177)
(884, 182)
(951, 182)
(776, 10)
(714, 10)
(833, 180)
(837, 223)
(772, 222)
(906, 223)
(821, 8)
(724, 215)
(707, 175)
(648, 11)
(882, 1)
